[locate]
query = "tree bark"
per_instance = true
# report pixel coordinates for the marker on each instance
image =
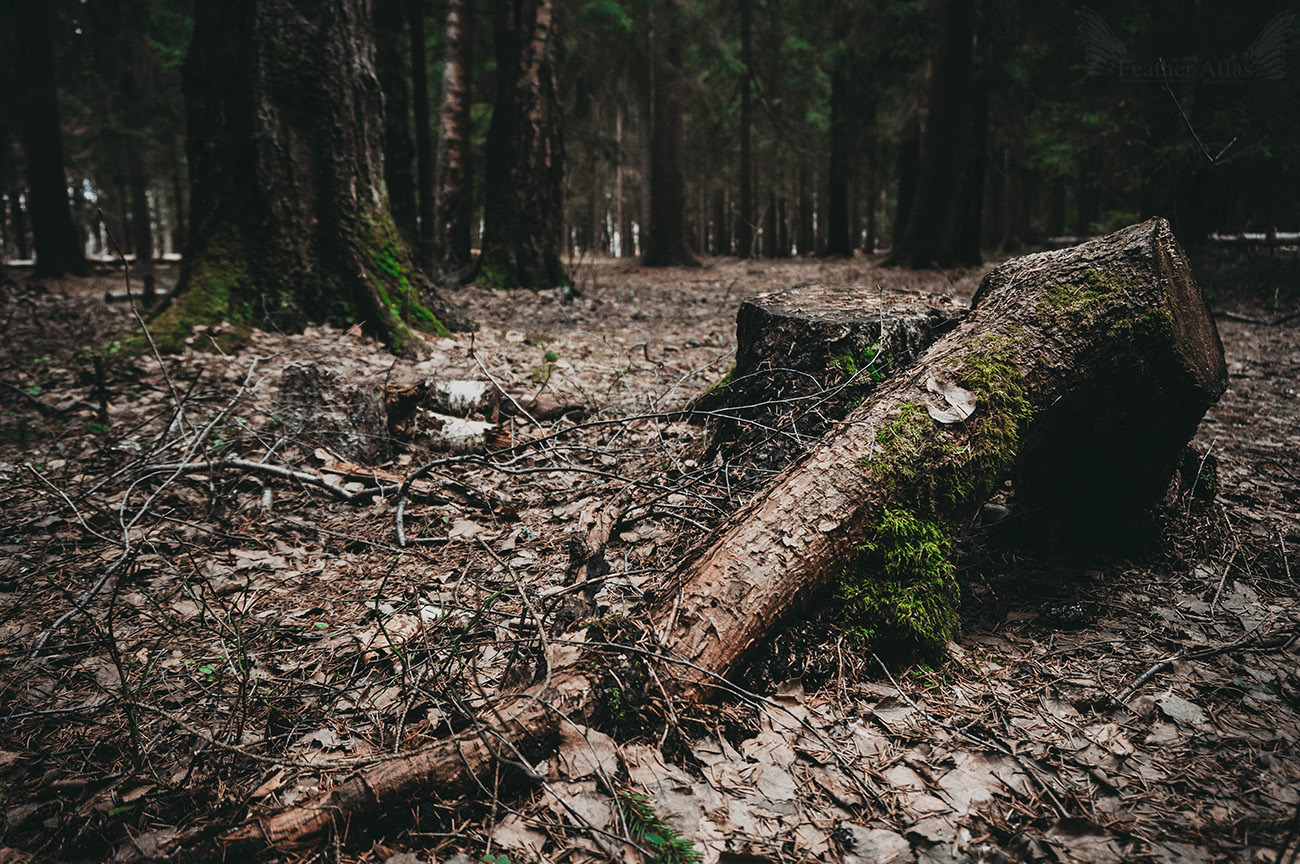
(665, 240)
(425, 253)
(909, 158)
(745, 218)
(844, 141)
(523, 218)
(288, 217)
(930, 235)
(18, 225)
(141, 223)
(454, 201)
(1090, 369)
(58, 246)
(393, 69)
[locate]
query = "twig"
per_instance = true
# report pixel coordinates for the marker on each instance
(283, 472)
(1032, 770)
(1263, 322)
(1247, 642)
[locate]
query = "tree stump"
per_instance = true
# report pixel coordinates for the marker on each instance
(1092, 364)
(804, 357)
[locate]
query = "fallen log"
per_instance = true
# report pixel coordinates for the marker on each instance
(1079, 374)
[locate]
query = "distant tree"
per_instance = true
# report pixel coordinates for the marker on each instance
(454, 171)
(665, 236)
(930, 237)
(423, 132)
(523, 190)
(745, 218)
(290, 221)
(30, 56)
(394, 69)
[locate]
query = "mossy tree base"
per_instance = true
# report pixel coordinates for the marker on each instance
(290, 212)
(873, 511)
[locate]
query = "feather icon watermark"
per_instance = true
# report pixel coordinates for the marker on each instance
(1264, 60)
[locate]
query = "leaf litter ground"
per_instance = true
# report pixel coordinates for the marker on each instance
(257, 639)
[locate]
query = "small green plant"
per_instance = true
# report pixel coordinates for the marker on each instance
(665, 844)
(614, 706)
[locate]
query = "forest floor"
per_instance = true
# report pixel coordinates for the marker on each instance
(240, 640)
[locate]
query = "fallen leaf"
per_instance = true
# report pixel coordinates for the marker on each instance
(961, 402)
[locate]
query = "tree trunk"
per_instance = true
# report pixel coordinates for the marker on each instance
(1090, 369)
(745, 218)
(141, 223)
(424, 167)
(844, 141)
(393, 69)
(769, 226)
(804, 235)
(58, 247)
(804, 356)
(909, 159)
(18, 223)
(623, 213)
(523, 218)
(665, 240)
(454, 201)
(721, 239)
(289, 220)
(929, 238)
(180, 234)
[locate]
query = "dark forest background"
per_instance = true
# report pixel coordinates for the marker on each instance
(937, 130)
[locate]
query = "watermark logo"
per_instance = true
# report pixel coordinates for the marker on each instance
(1264, 60)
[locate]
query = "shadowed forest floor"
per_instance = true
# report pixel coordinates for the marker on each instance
(258, 639)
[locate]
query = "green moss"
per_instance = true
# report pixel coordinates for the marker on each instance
(936, 469)
(1091, 295)
(863, 360)
(722, 383)
(493, 273)
(216, 290)
(901, 587)
(933, 475)
(394, 281)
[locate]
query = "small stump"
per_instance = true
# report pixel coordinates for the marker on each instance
(804, 358)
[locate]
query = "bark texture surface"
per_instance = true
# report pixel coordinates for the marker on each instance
(804, 357)
(523, 189)
(454, 200)
(289, 215)
(1047, 336)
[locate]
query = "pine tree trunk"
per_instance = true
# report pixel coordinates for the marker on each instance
(58, 246)
(180, 236)
(425, 251)
(665, 241)
(909, 158)
(840, 172)
(745, 217)
(721, 239)
(18, 225)
(454, 201)
(1090, 369)
(929, 238)
(141, 224)
(290, 223)
(393, 69)
(523, 218)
